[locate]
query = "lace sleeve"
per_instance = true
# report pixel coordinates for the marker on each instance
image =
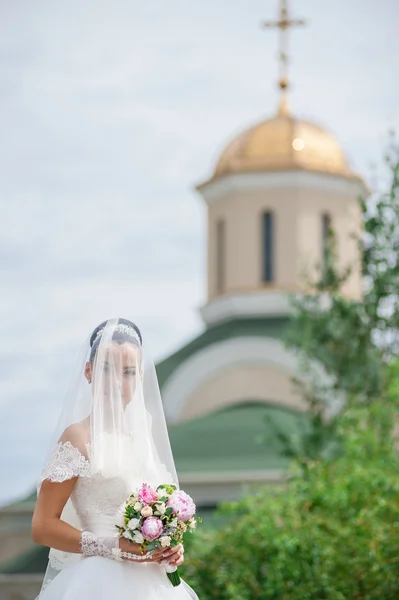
(66, 462)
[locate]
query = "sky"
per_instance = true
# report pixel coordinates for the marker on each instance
(111, 111)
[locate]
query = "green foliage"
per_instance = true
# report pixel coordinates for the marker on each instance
(333, 535)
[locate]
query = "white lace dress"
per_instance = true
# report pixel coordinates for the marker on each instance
(96, 501)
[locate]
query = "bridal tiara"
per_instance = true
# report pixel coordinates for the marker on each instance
(121, 328)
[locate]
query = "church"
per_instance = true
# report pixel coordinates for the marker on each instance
(272, 198)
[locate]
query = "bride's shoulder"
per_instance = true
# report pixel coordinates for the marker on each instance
(69, 458)
(76, 435)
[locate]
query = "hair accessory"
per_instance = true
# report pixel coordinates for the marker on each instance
(121, 328)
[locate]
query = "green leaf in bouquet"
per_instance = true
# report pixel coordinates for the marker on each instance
(130, 512)
(170, 488)
(151, 546)
(169, 511)
(163, 499)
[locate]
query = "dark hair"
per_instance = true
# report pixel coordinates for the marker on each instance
(121, 337)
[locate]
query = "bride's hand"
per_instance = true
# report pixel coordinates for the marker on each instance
(127, 546)
(173, 556)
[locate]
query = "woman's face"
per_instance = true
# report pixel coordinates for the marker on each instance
(115, 369)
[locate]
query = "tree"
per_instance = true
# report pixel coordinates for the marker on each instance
(353, 340)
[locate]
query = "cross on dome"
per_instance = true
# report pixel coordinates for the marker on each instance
(284, 24)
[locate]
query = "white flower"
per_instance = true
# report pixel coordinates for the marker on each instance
(127, 534)
(133, 523)
(161, 508)
(138, 537)
(165, 541)
(138, 506)
(162, 493)
(192, 524)
(173, 523)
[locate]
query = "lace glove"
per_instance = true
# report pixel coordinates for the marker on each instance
(108, 547)
(92, 545)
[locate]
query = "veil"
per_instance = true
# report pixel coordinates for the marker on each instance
(112, 422)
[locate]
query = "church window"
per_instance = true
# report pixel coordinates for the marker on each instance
(326, 242)
(268, 246)
(220, 255)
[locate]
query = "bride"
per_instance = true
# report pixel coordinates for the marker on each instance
(111, 438)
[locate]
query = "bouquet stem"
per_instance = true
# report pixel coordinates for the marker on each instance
(173, 576)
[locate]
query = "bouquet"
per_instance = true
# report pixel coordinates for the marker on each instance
(158, 519)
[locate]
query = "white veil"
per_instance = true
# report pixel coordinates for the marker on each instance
(112, 422)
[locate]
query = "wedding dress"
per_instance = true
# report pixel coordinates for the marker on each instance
(96, 501)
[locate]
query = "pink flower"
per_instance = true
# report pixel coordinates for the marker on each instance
(152, 528)
(146, 511)
(148, 495)
(182, 505)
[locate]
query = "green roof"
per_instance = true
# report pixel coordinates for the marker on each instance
(230, 439)
(257, 327)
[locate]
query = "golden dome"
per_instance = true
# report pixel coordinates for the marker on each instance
(281, 144)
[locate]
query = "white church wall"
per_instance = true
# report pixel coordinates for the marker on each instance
(262, 383)
(298, 201)
(228, 362)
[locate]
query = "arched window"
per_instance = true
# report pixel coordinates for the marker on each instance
(268, 246)
(220, 255)
(326, 232)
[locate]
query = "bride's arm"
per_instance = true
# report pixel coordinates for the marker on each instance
(48, 528)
